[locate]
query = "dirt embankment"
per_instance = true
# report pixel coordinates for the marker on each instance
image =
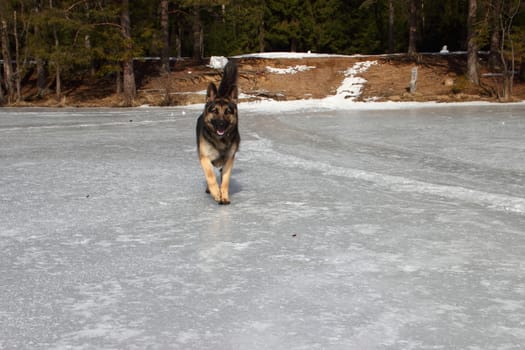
(439, 78)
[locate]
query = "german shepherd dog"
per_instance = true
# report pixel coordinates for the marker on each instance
(218, 136)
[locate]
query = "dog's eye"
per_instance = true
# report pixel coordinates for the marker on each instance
(228, 111)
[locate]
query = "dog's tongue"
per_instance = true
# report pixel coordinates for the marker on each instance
(220, 132)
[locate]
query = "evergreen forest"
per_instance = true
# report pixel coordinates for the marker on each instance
(57, 40)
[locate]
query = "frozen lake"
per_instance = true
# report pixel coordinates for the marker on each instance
(401, 228)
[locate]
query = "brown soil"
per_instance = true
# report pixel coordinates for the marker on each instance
(440, 78)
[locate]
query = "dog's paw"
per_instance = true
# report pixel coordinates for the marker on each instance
(224, 202)
(214, 192)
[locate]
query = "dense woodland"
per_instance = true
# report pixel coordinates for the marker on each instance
(61, 40)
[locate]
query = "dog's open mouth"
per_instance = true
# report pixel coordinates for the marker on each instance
(220, 126)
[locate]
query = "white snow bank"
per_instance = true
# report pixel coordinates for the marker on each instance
(218, 62)
(352, 85)
(345, 96)
(299, 55)
(291, 55)
(289, 70)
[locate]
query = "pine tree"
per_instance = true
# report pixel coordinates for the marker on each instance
(289, 24)
(69, 39)
(237, 28)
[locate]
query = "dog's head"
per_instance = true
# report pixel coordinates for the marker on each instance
(220, 112)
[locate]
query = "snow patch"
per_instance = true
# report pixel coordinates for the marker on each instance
(289, 70)
(349, 90)
(218, 62)
(291, 55)
(352, 85)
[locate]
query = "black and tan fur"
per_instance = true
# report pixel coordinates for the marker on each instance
(218, 135)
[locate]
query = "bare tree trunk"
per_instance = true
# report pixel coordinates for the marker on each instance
(2, 98)
(495, 9)
(41, 71)
(164, 25)
(178, 43)
(130, 89)
(201, 41)
(472, 45)
(412, 30)
(261, 36)
(293, 45)
(58, 84)
(58, 87)
(87, 45)
(18, 72)
(41, 80)
(128, 80)
(522, 69)
(8, 65)
(197, 35)
(390, 26)
(507, 16)
(119, 82)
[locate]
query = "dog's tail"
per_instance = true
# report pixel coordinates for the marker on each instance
(229, 79)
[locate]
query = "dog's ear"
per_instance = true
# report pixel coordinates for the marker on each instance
(211, 93)
(233, 94)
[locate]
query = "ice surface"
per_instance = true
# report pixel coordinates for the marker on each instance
(393, 226)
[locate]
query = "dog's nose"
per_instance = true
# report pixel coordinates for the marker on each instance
(220, 123)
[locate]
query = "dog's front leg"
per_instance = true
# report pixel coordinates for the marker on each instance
(226, 173)
(211, 180)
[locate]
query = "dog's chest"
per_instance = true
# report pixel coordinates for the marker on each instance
(217, 152)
